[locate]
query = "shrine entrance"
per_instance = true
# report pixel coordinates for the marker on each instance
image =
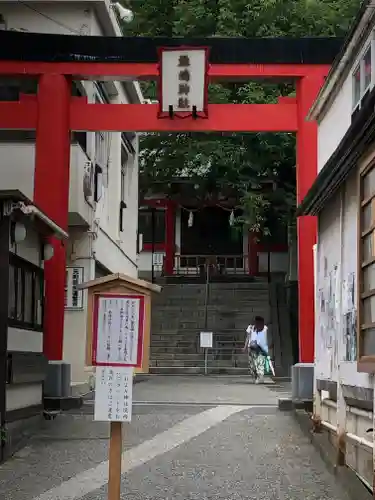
(183, 106)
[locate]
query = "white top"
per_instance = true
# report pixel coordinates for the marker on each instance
(259, 337)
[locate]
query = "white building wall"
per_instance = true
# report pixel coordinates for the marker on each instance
(336, 267)
(102, 242)
(17, 163)
(335, 124)
(336, 120)
(336, 301)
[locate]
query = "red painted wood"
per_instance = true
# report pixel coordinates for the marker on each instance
(145, 71)
(170, 219)
(51, 194)
(19, 115)
(221, 117)
(141, 118)
(158, 247)
(307, 161)
(253, 254)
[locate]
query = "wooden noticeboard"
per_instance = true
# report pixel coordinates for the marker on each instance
(118, 341)
(123, 288)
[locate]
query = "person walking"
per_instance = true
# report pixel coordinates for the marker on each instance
(256, 345)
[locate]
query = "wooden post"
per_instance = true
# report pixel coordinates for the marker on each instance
(115, 455)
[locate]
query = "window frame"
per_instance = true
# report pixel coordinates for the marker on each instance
(103, 140)
(365, 362)
(22, 266)
(360, 64)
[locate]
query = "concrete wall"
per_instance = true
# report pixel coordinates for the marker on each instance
(336, 271)
(95, 234)
(336, 331)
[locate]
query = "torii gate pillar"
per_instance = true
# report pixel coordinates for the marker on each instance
(51, 194)
(307, 166)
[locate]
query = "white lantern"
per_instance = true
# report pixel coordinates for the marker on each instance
(231, 218)
(191, 219)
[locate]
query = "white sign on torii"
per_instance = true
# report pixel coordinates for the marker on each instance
(183, 80)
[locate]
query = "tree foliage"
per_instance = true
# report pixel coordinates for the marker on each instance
(240, 161)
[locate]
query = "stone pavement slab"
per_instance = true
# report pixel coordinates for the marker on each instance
(205, 390)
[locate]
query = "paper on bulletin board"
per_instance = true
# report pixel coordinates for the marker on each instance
(118, 331)
(206, 340)
(113, 394)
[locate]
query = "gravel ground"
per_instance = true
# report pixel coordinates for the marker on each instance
(255, 453)
(249, 456)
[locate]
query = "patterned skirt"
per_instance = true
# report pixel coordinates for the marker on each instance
(256, 364)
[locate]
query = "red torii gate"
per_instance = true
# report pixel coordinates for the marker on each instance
(54, 113)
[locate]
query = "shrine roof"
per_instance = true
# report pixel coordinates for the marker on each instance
(127, 280)
(21, 46)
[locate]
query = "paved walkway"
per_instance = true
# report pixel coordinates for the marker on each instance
(190, 438)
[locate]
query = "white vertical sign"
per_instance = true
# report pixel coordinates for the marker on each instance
(206, 340)
(73, 296)
(183, 80)
(113, 394)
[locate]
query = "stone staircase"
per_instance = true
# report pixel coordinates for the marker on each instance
(178, 317)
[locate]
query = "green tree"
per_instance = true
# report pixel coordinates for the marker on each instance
(239, 161)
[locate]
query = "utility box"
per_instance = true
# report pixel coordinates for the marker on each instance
(120, 286)
(303, 382)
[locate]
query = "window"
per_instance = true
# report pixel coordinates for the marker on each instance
(357, 86)
(102, 139)
(151, 224)
(123, 184)
(26, 292)
(102, 146)
(362, 78)
(367, 69)
(366, 270)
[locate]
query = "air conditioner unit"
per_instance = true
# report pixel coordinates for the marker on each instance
(88, 179)
(73, 296)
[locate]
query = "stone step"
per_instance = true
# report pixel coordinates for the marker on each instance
(224, 350)
(233, 324)
(214, 295)
(177, 362)
(194, 331)
(183, 340)
(184, 370)
(191, 287)
(200, 312)
(226, 305)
